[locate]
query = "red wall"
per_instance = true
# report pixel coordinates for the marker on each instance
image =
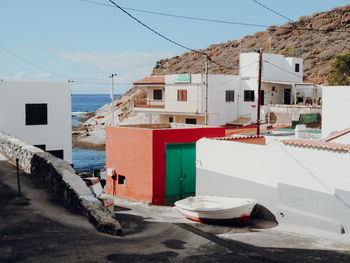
(129, 152)
(163, 136)
(139, 155)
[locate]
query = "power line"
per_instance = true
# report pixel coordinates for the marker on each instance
(72, 80)
(290, 20)
(31, 63)
(273, 11)
(290, 72)
(207, 19)
(168, 39)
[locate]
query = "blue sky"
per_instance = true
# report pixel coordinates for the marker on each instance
(87, 42)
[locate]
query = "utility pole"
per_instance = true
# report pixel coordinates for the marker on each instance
(112, 97)
(259, 93)
(206, 89)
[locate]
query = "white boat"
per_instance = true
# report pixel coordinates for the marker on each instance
(216, 208)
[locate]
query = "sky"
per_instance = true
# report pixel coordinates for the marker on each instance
(61, 40)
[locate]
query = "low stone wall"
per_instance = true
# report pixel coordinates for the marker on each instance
(60, 177)
(288, 113)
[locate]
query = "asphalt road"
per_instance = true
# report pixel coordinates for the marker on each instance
(38, 228)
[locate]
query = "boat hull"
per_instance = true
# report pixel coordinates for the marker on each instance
(210, 209)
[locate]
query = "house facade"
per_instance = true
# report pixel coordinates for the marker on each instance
(153, 163)
(219, 99)
(298, 181)
(38, 113)
(335, 110)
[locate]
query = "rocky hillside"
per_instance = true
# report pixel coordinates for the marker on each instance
(293, 39)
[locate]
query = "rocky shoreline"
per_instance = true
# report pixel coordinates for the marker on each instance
(96, 122)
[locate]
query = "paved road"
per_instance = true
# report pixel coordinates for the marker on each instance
(42, 230)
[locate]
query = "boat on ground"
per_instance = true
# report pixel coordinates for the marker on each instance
(216, 209)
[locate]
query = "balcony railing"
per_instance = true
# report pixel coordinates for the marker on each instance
(157, 104)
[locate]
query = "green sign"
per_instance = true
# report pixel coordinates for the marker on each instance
(182, 78)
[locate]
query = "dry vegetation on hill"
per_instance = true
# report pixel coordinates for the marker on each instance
(318, 49)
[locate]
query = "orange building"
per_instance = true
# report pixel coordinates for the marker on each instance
(153, 163)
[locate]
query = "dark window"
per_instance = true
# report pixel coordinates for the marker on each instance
(41, 146)
(36, 114)
(297, 67)
(57, 153)
(262, 97)
(191, 121)
(121, 179)
(182, 95)
(171, 119)
(300, 99)
(249, 95)
(230, 95)
(157, 94)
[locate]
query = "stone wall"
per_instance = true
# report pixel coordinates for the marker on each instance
(60, 177)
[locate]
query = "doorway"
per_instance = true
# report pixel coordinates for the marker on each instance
(287, 96)
(180, 171)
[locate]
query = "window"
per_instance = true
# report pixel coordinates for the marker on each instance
(41, 146)
(57, 153)
(36, 114)
(121, 179)
(182, 95)
(191, 121)
(297, 67)
(230, 95)
(171, 119)
(249, 95)
(157, 94)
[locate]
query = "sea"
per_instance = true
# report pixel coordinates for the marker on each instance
(87, 160)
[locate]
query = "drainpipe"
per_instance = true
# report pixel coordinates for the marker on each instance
(206, 90)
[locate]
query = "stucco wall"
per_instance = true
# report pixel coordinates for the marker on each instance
(271, 72)
(129, 153)
(288, 113)
(56, 135)
(298, 185)
(335, 109)
(60, 178)
(160, 138)
(220, 111)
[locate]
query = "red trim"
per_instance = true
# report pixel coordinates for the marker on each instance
(244, 220)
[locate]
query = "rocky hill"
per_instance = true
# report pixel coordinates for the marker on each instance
(292, 39)
(317, 48)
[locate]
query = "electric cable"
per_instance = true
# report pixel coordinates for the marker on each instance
(290, 20)
(205, 19)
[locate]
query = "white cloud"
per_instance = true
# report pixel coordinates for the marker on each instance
(25, 76)
(128, 66)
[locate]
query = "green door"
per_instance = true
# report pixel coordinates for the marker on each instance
(180, 171)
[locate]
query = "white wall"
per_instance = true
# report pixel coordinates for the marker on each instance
(269, 71)
(56, 135)
(220, 111)
(245, 107)
(335, 109)
(304, 184)
(194, 95)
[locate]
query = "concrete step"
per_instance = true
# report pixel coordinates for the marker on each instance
(241, 121)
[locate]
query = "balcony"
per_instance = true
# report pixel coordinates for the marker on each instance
(150, 104)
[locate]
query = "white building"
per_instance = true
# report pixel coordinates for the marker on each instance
(38, 113)
(301, 182)
(183, 98)
(335, 109)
